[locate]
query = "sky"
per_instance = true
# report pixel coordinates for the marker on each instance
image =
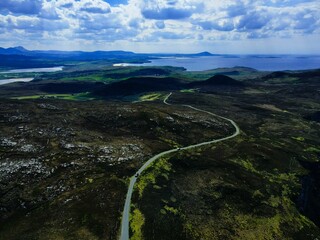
(167, 26)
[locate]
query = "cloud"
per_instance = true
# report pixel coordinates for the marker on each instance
(32, 24)
(170, 35)
(94, 6)
(170, 9)
(67, 5)
(219, 24)
(166, 13)
(48, 11)
(131, 21)
(253, 20)
(235, 9)
(160, 24)
(100, 22)
(21, 6)
(116, 2)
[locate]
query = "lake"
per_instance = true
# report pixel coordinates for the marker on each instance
(259, 62)
(6, 81)
(35, 70)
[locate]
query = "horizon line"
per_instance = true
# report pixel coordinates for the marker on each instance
(164, 53)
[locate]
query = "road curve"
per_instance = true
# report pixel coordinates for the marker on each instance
(124, 235)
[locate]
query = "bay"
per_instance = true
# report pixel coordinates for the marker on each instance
(34, 70)
(259, 62)
(12, 80)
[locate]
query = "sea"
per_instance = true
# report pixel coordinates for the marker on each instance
(27, 70)
(34, 70)
(258, 62)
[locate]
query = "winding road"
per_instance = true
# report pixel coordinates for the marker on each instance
(126, 211)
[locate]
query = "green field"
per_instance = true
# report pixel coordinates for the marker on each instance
(73, 97)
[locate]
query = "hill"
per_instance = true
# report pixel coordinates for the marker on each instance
(218, 80)
(114, 56)
(14, 50)
(299, 75)
(134, 86)
(139, 85)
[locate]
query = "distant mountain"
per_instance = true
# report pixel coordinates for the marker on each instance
(14, 50)
(204, 54)
(19, 57)
(201, 54)
(68, 55)
(83, 54)
(22, 51)
(112, 56)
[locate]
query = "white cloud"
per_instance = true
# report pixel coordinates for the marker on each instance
(28, 7)
(156, 21)
(94, 6)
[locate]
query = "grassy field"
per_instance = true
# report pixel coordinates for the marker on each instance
(73, 97)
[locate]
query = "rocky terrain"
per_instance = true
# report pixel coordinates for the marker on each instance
(65, 164)
(54, 155)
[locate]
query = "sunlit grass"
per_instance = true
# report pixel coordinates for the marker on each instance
(73, 97)
(150, 97)
(136, 223)
(189, 90)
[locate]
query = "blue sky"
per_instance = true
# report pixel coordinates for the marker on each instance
(218, 26)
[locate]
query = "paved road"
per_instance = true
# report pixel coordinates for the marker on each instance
(126, 211)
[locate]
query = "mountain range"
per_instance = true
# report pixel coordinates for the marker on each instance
(19, 57)
(96, 55)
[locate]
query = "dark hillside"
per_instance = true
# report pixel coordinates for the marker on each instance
(313, 117)
(139, 85)
(19, 61)
(41, 87)
(70, 87)
(139, 72)
(134, 86)
(302, 75)
(218, 80)
(279, 74)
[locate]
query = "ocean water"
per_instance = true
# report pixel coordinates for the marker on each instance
(259, 62)
(34, 70)
(6, 81)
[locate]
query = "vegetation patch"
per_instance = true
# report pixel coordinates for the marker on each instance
(170, 142)
(312, 150)
(160, 168)
(300, 139)
(189, 90)
(150, 97)
(136, 223)
(73, 97)
(247, 164)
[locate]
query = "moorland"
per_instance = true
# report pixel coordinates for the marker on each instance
(71, 140)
